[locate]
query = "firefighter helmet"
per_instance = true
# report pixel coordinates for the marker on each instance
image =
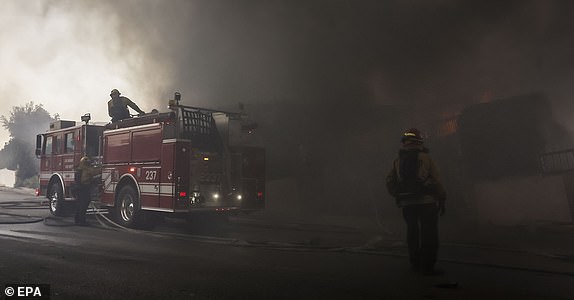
(114, 92)
(412, 134)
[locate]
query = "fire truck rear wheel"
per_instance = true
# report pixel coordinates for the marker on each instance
(56, 199)
(127, 207)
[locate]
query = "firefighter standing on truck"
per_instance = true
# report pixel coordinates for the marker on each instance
(415, 183)
(118, 106)
(86, 172)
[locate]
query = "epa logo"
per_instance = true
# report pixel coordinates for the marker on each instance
(30, 291)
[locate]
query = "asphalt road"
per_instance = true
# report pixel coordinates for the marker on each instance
(252, 260)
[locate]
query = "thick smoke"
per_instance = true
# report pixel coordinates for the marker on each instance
(333, 83)
(343, 53)
(329, 54)
(330, 82)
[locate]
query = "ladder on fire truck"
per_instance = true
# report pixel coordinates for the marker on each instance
(199, 125)
(557, 161)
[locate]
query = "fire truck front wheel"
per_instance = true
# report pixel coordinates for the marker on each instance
(128, 207)
(56, 199)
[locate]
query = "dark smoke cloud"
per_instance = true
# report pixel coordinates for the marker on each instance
(438, 51)
(438, 55)
(341, 78)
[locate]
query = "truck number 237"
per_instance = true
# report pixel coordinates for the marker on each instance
(150, 175)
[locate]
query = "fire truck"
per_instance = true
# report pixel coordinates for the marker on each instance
(184, 161)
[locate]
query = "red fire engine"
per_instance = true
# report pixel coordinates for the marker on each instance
(178, 162)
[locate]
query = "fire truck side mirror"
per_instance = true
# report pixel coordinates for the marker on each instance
(38, 144)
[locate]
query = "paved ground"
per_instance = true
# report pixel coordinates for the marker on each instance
(267, 255)
(551, 243)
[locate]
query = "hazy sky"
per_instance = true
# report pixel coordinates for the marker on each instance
(66, 55)
(59, 57)
(69, 54)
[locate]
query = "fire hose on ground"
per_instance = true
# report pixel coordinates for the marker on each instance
(290, 246)
(20, 218)
(109, 224)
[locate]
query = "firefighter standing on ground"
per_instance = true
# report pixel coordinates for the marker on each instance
(414, 181)
(118, 106)
(86, 171)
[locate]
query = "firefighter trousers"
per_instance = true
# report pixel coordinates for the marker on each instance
(422, 234)
(83, 203)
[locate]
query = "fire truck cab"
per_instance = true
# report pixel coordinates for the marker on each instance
(187, 160)
(60, 150)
